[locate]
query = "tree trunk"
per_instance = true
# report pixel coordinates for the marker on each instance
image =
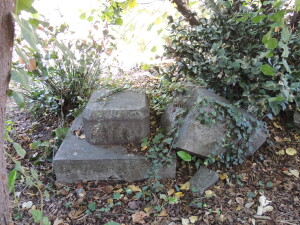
(186, 12)
(6, 46)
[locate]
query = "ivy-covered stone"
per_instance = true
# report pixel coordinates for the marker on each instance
(212, 126)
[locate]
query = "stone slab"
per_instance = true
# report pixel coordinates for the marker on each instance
(78, 160)
(203, 179)
(117, 118)
(200, 139)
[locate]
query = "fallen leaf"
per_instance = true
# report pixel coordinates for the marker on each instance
(278, 139)
(148, 209)
(209, 193)
(240, 201)
(75, 214)
(135, 188)
(144, 148)
(134, 204)
(171, 191)
(185, 221)
(291, 151)
(82, 136)
(179, 195)
(27, 205)
(193, 219)
(281, 152)
(107, 189)
(295, 173)
(249, 205)
(138, 217)
(277, 126)
(223, 176)
(120, 190)
(163, 213)
(58, 221)
(185, 186)
(31, 65)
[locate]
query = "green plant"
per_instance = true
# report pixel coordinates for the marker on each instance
(228, 56)
(63, 72)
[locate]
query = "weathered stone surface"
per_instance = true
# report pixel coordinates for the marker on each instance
(78, 160)
(116, 118)
(203, 179)
(200, 139)
(297, 119)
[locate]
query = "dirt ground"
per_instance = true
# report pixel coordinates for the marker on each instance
(272, 172)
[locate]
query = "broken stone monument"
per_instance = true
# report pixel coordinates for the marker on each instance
(201, 139)
(109, 120)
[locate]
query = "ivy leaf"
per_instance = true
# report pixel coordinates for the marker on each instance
(297, 5)
(267, 70)
(21, 77)
(20, 151)
(271, 43)
(258, 18)
(11, 180)
(184, 156)
(23, 5)
(36, 214)
(285, 35)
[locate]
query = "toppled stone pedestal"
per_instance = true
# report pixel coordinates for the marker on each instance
(110, 119)
(78, 160)
(116, 118)
(201, 139)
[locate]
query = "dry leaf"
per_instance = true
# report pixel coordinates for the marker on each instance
(193, 219)
(148, 209)
(291, 151)
(144, 148)
(209, 193)
(223, 176)
(277, 126)
(295, 173)
(135, 188)
(58, 221)
(278, 139)
(171, 191)
(185, 186)
(239, 200)
(281, 152)
(163, 213)
(138, 217)
(179, 194)
(185, 221)
(119, 190)
(31, 65)
(249, 205)
(82, 136)
(75, 214)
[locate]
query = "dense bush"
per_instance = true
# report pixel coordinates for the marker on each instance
(237, 60)
(63, 72)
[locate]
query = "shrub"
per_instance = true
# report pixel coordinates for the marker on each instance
(229, 57)
(63, 72)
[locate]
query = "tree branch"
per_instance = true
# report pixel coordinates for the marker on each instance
(187, 13)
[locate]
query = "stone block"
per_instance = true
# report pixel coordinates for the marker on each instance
(203, 179)
(201, 139)
(116, 118)
(78, 160)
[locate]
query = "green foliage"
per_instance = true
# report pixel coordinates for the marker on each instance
(63, 73)
(226, 53)
(184, 156)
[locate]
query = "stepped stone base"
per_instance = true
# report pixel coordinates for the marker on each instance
(78, 160)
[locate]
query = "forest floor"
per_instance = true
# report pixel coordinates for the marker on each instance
(273, 172)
